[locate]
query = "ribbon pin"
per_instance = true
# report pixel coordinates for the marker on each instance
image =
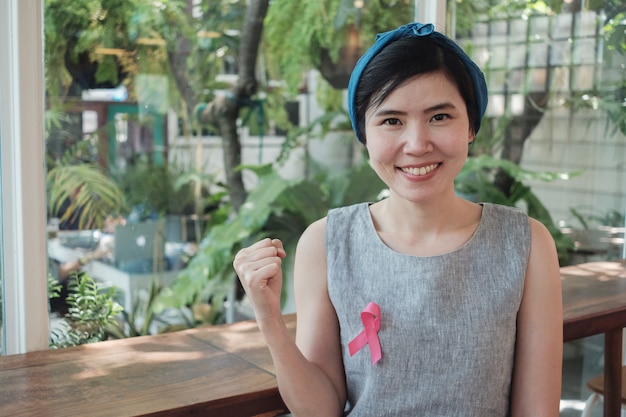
(370, 316)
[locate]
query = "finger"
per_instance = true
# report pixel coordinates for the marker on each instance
(262, 277)
(263, 243)
(278, 244)
(260, 250)
(248, 268)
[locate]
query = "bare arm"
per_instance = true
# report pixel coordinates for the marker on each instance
(67, 268)
(539, 352)
(310, 374)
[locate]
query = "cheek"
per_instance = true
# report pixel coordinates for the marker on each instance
(383, 170)
(383, 163)
(378, 152)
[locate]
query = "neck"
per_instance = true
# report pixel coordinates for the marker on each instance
(420, 229)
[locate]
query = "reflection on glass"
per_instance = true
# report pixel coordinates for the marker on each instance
(118, 210)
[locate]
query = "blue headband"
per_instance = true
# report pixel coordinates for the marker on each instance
(416, 29)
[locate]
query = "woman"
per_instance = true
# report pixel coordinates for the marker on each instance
(422, 304)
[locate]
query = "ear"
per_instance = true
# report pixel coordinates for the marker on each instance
(471, 136)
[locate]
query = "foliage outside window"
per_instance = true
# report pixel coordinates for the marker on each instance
(187, 47)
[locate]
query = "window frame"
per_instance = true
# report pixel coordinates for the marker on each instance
(22, 176)
(431, 11)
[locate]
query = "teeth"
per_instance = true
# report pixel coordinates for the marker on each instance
(420, 171)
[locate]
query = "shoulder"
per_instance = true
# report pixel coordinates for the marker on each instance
(510, 224)
(346, 211)
(314, 238)
(539, 233)
(501, 214)
(541, 238)
(543, 272)
(504, 211)
(314, 234)
(311, 249)
(341, 220)
(541, 241)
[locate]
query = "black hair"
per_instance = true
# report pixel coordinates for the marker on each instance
(403, 59)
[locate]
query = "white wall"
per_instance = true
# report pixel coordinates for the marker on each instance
(255, 150)
(584, 142)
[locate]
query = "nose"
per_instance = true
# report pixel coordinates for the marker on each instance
(417, 140)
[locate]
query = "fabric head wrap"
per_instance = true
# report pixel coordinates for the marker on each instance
(416, 29)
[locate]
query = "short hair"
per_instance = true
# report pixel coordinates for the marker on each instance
(406, 52)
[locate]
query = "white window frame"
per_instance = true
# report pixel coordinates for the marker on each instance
(22, 174)
(431, 11)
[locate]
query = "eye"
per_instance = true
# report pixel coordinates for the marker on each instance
(440, 117)
(391, 122)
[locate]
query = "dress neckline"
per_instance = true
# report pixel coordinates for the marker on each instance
(364, 209)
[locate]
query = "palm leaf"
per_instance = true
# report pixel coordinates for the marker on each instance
(93, 195)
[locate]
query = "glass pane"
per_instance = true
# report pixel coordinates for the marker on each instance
(556, 104)
(120, 211)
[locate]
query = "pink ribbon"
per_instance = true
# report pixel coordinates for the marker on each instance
(370, 316)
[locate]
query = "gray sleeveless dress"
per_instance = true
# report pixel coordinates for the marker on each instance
(448, 322)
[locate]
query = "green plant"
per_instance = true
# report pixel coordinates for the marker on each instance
(609, 96)
(54, 287)
(475, 181)
(142, 319)
(153, 189)
(98, 43)
(91, 311)
(322, 33)
(79, 190)
(150, 188)
(276, 207)
(95, 316)
(609, 99)
(587, 219)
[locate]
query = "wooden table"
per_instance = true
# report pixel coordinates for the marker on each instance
(223, 371)
(594, 302)
(226, 371)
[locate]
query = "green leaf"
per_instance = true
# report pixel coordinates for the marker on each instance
(276, 207)
(216, 251)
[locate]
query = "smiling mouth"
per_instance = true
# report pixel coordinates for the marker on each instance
(421, 170)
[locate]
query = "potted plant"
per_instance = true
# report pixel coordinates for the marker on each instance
(326, 35)
(98, 43)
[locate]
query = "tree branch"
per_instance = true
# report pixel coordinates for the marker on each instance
(222, 112)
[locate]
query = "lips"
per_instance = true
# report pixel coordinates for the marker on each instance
(421, 170)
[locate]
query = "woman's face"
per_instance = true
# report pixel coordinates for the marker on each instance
(418, 137)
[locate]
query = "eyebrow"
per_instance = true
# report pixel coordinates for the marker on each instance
(441, 106)
(392, 112)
